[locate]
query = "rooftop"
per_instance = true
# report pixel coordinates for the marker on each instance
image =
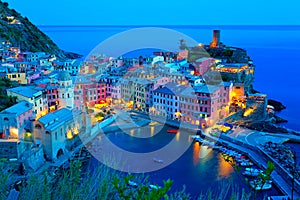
(18, 109)
(64, 76)
(209, 89)
(52, 120)
(25, 91)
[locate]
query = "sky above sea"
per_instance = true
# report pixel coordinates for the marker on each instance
(157, 12)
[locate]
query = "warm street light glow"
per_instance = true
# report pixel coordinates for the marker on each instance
(75, 131)
(69, 134)
(14, 132)
(248, 112)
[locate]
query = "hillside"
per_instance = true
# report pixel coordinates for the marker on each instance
(21, 32)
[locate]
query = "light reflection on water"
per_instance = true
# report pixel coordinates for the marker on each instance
(224, 169)
(152, 131)
(178, 136)
(132, 132)
(196, 150)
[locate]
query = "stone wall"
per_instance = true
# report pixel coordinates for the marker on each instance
(9, 149)
(34, 158)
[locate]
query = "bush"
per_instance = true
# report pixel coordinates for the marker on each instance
(90, 110)
(100, 114)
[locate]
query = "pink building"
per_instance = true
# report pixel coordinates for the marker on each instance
(116, 91)
(88, 92)
(160, 81)
(16, 120)
(52, 96)
(32, 76)
(183, 55)
(202, 65)
(200, 105)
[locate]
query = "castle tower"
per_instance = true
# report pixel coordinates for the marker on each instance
(216, 39)
(65, 90)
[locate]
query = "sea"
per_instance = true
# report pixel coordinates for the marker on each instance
(275, 51)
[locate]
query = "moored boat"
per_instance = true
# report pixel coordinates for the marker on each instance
(259, 185)
(195, 136)
(172, 131)
(246, 163)
(252, 172)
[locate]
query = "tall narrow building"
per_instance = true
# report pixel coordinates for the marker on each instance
(65, 90)
(216, 39)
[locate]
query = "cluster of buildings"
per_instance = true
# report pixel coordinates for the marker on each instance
(53, 94)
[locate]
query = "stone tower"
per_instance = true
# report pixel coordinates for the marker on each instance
(216, 39)
(65, 90)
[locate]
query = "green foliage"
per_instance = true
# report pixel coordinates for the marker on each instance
(100, 114)
(90, 110)
(4, 178)
(124, 191)
(105, 183)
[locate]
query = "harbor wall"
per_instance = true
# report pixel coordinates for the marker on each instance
(283, 172)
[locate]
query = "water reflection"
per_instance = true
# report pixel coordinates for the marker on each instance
(225, 169)
(131, 132)
(178, 136)
(152, 131)
(205, 152)
(196, 150)
(201, 152)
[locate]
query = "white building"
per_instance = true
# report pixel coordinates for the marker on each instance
(55, 131)
(65, 90)
(33, 96)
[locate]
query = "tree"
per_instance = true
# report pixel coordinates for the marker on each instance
(182, 45)
(5, 4)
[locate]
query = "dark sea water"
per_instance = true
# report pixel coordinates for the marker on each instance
(275, 51)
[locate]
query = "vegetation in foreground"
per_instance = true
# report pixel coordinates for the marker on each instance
(104, 183)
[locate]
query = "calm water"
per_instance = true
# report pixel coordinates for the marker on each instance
(274, 50)
(199, 168)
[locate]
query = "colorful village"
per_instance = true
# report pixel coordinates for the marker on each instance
(53, 103)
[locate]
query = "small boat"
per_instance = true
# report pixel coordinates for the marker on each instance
(158, 160)
(252, 172)
(259, 185)
(200, 140)
(172, 131)
(195, 136)
(246, 163)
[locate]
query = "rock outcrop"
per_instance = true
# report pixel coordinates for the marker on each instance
(21, 32)
(278, 106)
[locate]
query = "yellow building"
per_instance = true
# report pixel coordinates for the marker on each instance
(20, 77)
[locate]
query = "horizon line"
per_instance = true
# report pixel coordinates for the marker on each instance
(155, 25)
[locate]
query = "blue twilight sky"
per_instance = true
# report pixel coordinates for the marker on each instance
(159, 12)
